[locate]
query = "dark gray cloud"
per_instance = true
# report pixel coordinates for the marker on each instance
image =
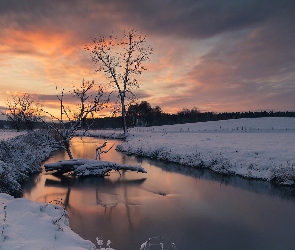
(178, 18)
(202, 18)
(252, 58)
(253, 69)
(69, 98)
(83, 19)
(257, 69)
(186, 18)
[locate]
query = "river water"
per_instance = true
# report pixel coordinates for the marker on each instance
(195, 209)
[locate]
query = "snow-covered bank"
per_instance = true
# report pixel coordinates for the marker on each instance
(20, 157)
(6, 134)
(262, 148)
(30, 225)
(25, 224)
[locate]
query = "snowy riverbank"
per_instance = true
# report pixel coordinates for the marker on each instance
(25, 224)
(254, 148)
(21, 155)
(30, 225)
(259, 148)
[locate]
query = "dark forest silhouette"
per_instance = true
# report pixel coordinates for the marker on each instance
(143, 115)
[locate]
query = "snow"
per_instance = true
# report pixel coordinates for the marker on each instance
(254, 148)
(31, 225)
(8, 134)
(25, 224)
(17, 162)
(87, 167)
(259, 148)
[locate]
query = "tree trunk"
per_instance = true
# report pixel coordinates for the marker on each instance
(67, 148)
(122, 95)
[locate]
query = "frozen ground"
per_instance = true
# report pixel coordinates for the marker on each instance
(8, 134)
(253, 148)
(24, 224)
(262, 148)
(29, 225)
(21, 155)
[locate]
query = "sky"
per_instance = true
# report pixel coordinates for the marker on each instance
(217, 55)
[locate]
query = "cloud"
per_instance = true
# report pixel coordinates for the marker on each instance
(186, 18)
(201, 18)
(84, 19)
(210, 54)
(252, 71)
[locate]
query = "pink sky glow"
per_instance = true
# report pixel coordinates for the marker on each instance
(214, 55)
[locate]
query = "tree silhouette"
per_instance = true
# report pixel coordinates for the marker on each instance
(121, 61)
(75, 119)
(22, 111)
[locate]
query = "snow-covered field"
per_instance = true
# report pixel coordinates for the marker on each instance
(253, 148)
(262, 148)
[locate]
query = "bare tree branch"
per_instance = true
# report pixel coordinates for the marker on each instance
(64, 131)
(121, 68)
(23, 111)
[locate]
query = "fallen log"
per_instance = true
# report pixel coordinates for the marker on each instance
(86, 167)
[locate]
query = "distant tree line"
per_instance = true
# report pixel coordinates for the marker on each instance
(144, 115)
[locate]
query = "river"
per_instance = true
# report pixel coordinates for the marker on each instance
(193, 208)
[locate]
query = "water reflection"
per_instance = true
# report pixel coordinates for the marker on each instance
(195, 209)
(99, 184)
(257, 186)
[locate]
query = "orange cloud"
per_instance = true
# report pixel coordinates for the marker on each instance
(243, 63)
(45, 57)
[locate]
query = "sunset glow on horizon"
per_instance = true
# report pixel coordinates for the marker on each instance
(217, 56)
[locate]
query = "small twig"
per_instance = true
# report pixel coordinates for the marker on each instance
(99, 150)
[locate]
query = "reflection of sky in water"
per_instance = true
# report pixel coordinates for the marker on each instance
(195, 209)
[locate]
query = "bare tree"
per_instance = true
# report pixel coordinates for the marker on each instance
(22, 111)
(65, 129)
(121, 61)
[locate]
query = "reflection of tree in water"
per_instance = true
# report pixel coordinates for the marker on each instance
(109, 207)
(32, 182)
(102, 197)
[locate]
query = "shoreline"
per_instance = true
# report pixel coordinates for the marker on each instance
(252, 148)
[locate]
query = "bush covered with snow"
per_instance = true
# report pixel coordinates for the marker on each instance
(20, 157)
(283, 174)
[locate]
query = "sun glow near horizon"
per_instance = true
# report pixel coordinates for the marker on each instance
(218, 66)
